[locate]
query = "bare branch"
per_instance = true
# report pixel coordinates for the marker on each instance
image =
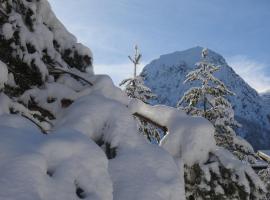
(58, 70)
(33, 121)
(164, 128)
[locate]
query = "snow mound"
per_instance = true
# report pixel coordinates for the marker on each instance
(94, 150)
(34, 166)
(139, 170)
(188, 138)
(96, 134)
(3, 74)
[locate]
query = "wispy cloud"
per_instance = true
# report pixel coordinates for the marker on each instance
(252, 71)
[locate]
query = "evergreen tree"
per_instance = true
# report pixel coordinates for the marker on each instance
(134, 88)
(36, 49)
(209, 101)
(264, 174)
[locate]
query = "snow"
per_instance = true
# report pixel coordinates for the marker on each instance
(35, 166)
(165, 77)
(45, 30)
(139, 171)
(46, 166)
(7, 30)
(188, 138)
(154, 172)
(243, 143)
(4, 104)
(3, 74)
(11, 82)
(54, 166)
(242, 171)
(50, 91)
(266, 98)
(91, 149)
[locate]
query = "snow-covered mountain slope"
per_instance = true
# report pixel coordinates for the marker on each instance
(266, 98)
(165, 76)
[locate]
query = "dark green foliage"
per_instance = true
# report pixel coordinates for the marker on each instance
(25, 76)
(32, 105)
(30, 48)
(198, 185)
(73, 59)
(29, 20)
(12, 91)
(28, 75)
(46, 58)
(56, 45)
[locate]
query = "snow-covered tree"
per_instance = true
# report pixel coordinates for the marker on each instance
(264, 174)
(134, 88)
(36, 50)
(208, 174)
(209, 101)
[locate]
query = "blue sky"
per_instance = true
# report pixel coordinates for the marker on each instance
(237, 29)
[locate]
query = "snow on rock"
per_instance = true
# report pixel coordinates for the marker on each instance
(188, 138)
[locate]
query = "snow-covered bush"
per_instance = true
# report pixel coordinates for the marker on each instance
(264, 174)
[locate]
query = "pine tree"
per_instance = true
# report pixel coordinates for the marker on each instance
(30, 60)
(209, 101)
(134, 88)
(264, 174)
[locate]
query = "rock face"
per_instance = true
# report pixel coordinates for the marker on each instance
(165, 76)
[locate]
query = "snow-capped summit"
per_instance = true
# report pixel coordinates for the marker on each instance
(165, 76)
